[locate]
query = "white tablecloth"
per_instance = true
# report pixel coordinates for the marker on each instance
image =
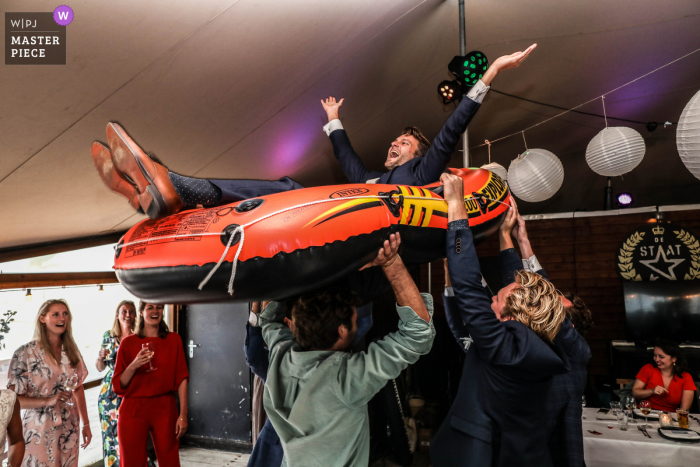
(617, 448)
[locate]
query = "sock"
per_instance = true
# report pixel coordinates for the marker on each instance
(194, 191)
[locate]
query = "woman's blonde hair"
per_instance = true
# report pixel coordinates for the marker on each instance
(116, 326)
(537, 304)
(42, 337)
(162, 326)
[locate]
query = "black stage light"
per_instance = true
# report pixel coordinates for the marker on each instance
(469, 69)
(450, 91)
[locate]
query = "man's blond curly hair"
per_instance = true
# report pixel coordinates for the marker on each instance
(536, 304)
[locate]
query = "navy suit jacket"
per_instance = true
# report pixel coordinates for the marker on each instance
(498, 417)
(418, 171)
(564, 411)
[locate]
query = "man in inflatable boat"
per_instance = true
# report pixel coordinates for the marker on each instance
(152, 189)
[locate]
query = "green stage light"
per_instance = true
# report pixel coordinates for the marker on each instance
(450, 91)
(469, 69)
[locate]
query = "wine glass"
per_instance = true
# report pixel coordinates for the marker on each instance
(583, 406)
(630, 403)
(71, 386)
(106, 345)
(645, 408)
(147, 346)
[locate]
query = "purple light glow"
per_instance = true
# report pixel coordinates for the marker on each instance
(624, 199)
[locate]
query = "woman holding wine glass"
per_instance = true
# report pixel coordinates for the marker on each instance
(108, 402)
(150, 370)
(40, 374)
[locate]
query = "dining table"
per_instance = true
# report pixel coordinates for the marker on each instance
(616, 448)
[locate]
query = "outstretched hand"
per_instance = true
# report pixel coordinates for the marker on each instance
(506, 62)
(510, 220)
(520, 231)
(513, 60)
(331, 107)
(388, 253)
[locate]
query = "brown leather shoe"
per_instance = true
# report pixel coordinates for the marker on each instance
(157, 194)
(111, 177)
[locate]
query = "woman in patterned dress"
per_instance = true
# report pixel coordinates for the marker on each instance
(38, 374)
(108, 402)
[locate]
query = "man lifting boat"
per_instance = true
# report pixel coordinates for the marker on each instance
(152, 189)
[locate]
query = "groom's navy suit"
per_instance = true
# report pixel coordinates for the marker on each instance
(498, 417)
(418, 171)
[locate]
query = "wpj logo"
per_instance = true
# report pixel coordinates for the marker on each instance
(37, 38)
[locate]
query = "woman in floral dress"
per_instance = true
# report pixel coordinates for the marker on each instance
(108, 402)
(38, 374)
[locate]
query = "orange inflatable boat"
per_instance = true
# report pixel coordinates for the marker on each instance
(292, 242)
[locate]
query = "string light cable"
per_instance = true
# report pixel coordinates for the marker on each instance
(573, 109)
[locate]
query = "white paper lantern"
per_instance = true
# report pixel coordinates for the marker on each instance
(536, 175)
(615, 151)
(496, 168)
(688, 135)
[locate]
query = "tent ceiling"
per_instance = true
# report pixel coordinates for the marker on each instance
(231, 89)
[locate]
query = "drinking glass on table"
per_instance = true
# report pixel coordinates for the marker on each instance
(630, 404)
(645, 408)
(615, 407)
(71, 386)
(583, 406)
(682, 418)
(148, 347)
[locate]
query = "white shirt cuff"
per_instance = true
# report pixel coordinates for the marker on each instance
(335, 124)
(478, 91)
(531, 264)
(449, 292)
(253, 320)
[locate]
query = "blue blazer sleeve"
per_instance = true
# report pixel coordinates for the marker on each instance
(494, 342)
(454, 320)
(256, 355)
(510, 264)
(353, 168)
(436, 159)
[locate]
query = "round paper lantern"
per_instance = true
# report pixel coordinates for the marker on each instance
(496, 168)
(535, 175)
(615, 151)
(688, 135)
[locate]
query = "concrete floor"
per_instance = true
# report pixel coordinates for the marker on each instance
(196, 457)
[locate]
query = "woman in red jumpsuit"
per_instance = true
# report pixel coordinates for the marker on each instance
(150, 369)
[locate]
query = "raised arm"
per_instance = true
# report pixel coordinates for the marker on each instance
(353, 167)
(366, 373)
(489, 335)
(438, 156)
(274, 331)
(254, 346)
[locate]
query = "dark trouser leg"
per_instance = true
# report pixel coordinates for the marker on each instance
(237, 190)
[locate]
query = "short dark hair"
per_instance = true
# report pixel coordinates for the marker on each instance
(579, 314)
(673, 350)
(423, 143)
(318, 315)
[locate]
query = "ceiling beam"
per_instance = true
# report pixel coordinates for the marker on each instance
(49, 248)
(29, 280)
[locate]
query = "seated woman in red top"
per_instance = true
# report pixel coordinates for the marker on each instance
(667, 383)
(150, 369)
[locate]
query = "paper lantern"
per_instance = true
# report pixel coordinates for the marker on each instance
(536, 175)
(688, 135)
(496, 168)
(615, 151)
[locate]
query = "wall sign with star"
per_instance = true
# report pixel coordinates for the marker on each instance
(659, 252)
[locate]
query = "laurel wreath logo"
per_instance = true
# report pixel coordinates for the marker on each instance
(694, 247)
(625, 258)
